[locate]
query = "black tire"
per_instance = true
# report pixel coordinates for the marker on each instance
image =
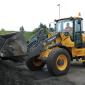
(34, 67)
(51, 61)
(83, 62)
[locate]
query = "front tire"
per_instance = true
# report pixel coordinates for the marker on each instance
(84, 61)
(58, 62)
(35, 64)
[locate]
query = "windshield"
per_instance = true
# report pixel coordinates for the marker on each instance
(63, 25)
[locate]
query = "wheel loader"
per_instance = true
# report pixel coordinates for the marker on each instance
(56, 51)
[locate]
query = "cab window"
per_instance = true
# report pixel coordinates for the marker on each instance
(78, 26)
(63, 24)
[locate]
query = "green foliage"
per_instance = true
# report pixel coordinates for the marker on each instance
(42, 25)
(2, 29)
(22, 29)
(40, 28)
(27, 35)
(5, 32)
(51, 30)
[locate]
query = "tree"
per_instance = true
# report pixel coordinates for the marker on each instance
(22, 29)
(41, 27)
(41, 32)
(2, 29)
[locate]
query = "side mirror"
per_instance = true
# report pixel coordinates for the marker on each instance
(55, 28)
(49, 25)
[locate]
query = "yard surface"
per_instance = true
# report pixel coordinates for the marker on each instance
(18, 74)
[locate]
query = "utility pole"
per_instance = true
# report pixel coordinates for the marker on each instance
(59, 9)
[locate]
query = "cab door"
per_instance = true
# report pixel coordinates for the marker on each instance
(77, 33)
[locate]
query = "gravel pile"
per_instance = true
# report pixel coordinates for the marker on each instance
(10, 74)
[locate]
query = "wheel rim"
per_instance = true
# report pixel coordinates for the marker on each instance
(61, 62)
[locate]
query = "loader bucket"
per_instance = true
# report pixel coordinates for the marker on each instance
(13, 46)
(19, 44)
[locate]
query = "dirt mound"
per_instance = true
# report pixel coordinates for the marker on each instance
(11, 75)
(18, 74)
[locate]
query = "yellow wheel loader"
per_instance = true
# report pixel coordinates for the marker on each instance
(58, 50)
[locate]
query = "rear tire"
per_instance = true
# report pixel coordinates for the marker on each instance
(58, 62)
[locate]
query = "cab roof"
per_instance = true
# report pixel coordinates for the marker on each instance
(69, 18)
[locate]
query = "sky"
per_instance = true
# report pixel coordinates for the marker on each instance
(29, 13)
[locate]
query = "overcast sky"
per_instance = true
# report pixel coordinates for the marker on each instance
(29, 13)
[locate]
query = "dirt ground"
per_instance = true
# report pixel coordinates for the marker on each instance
(19, 74)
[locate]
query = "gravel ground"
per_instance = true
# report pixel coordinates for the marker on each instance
(19, 74)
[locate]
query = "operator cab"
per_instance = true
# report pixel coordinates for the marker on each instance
(72, 26)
